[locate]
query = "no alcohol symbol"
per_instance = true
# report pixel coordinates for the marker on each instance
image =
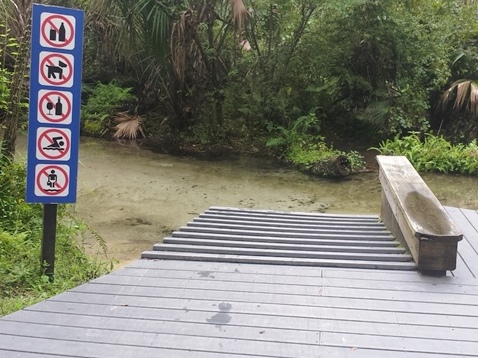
(55, 107)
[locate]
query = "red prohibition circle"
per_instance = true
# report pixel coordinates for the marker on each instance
(63, 153)
(66, 21)
(42, 110)
(44, 171)
(65, 78)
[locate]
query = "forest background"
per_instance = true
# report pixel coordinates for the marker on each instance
(290, 77)
(303, 80)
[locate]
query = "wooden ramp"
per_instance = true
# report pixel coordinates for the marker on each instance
(285, 238)
(205, 309)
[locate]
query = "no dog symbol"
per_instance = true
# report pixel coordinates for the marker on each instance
(56, 69)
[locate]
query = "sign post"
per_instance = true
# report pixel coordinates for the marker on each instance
(54, 116)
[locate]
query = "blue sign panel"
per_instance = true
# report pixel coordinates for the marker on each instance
(55, 100)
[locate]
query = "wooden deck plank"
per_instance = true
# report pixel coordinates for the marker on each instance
(286, 333)
(287, 234)
(287, 240)
(393, 344)
(86, 349)
(291, 219)
(294, 214)
(283, 298)
(342, 281)
(467, 252)
(268, 260)
(225, 221)
(46, 347)
(371, 248)
(318, 302)
(324, 230)
(387, 280)
(336, 254)
(214, 314)
(256, 345)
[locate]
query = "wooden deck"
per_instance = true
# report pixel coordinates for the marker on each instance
(204, 309)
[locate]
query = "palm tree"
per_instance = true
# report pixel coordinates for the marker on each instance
(165, 42)
(464, 94)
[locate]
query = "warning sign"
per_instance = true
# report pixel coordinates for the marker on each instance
(55, 101)
(55, 107)
(57, 31)
(51, 180)
(53, 143)
(56, 69)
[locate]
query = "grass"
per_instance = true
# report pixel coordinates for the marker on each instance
(23, 281)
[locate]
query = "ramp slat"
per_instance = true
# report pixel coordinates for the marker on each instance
(285, 238)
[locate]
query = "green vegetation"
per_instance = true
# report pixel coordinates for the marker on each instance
(434, 153)
(304, 147)
(14, 62)
(23, 282)
(222, 73)
(103, 101)
(241, 72)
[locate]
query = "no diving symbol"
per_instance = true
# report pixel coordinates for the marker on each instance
(57, 31)
(51, 180)
(54, 107)
(53, 144)
(56, 69)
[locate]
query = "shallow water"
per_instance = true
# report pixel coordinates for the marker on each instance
(133, 197)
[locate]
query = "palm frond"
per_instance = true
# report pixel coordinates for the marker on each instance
(129, 126)
(464, 94)
(239, 14)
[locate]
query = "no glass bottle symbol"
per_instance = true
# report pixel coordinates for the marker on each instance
(60, 33)
(57, 31)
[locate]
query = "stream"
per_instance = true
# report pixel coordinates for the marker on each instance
(133, 198)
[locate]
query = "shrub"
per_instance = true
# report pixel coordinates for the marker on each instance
(434, 153)
(303, 148)
(103, 101)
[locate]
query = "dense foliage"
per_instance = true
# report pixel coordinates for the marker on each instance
(230, 72)
(242, 72)
(23, 282)
(434, 153)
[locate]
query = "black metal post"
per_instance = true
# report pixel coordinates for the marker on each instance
(49, 238)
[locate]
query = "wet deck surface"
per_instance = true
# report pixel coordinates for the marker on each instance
(177, 308)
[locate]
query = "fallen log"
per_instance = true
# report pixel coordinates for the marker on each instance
(336, 166)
